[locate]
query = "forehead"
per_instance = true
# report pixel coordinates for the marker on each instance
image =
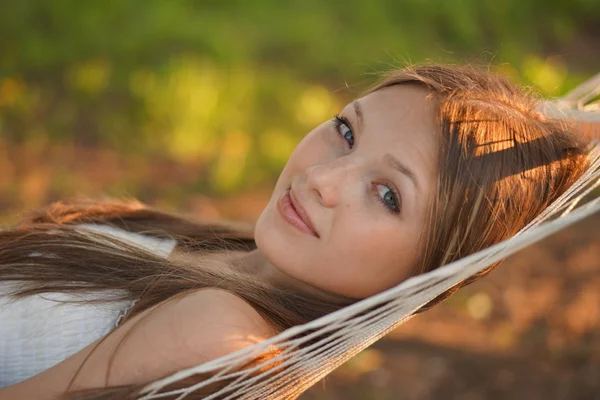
(402, 120)
(407, 109)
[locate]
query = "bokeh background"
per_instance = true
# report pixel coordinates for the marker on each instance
(194, 106)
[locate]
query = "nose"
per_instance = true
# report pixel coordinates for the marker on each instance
(329, 180)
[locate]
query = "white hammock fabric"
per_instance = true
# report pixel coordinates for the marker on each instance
(346, 332)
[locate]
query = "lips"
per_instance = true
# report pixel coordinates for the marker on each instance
(293, 212)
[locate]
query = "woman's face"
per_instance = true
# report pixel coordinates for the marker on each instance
(348, 210)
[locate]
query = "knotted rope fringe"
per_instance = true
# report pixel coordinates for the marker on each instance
(309, 352)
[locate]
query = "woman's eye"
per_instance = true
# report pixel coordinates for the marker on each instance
(343, 128)
(388, 198)
(347, 134)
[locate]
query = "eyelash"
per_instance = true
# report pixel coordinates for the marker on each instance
(393, 211)
(338, 121)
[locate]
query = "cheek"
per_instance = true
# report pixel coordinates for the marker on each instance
(378, 244)
(370, 257)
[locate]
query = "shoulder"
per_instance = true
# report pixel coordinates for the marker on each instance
(217, 315)
(177, 334)
(183, 332)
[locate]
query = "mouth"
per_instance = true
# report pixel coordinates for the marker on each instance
(292, 211)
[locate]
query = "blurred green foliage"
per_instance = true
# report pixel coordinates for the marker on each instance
(233, 85)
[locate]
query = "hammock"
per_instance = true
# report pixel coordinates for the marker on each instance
(309, 352)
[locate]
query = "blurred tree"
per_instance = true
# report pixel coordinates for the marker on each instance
(203, 80)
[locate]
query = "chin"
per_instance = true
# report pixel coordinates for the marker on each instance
(266, 234)
(274, 244)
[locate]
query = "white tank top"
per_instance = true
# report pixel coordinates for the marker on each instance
(37, 332)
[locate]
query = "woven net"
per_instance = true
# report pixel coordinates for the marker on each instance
(306, 353)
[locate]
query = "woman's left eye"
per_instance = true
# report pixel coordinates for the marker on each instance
(388, 198)
(343, 127)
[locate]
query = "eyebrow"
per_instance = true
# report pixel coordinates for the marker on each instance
(391, 160)
(396, 164)
(359, 114)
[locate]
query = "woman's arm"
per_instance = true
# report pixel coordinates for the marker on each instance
(178, 334)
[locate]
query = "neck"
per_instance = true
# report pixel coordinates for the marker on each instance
(255, 263)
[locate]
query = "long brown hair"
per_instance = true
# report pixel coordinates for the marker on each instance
(500, 164)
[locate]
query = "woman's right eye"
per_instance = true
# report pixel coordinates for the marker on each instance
(344, 130)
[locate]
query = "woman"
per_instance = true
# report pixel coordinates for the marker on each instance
(432, 164)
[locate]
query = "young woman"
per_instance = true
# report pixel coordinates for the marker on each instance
(432, 164)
